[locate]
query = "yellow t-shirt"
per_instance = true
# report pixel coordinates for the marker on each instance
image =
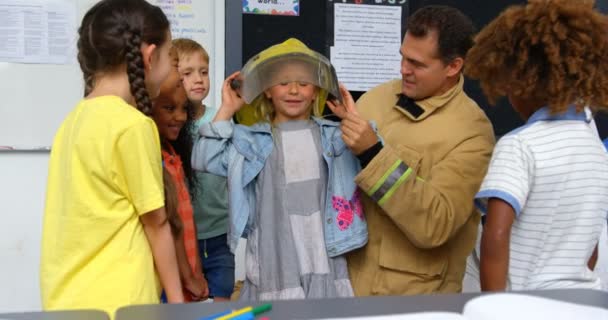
(105, 171)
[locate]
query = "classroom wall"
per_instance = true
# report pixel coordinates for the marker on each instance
(22, 189)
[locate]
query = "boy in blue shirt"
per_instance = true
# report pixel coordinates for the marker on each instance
(210, 195)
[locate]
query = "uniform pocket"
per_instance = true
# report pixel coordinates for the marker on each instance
(405, 269)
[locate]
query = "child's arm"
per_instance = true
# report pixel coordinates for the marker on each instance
(495, 245)
(138, 171)
(159, 236)
(188, 279)
(212, 151)
(198, 271)
(593, 259)
(198, 268)
(199, 277)
(231, 100)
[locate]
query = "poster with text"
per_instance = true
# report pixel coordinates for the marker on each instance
(272, 7)
(36, 31)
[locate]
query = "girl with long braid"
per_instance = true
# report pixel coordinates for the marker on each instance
(106, 240)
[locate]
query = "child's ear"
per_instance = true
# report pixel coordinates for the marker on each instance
(267, 94)
(147, 51)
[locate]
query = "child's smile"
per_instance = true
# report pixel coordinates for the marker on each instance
(170, 115)
(170, 111)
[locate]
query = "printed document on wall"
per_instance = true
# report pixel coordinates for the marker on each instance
(37, 31)
(367, 39)
(361, 69)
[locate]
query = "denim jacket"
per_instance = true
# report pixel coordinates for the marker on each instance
(240, 152)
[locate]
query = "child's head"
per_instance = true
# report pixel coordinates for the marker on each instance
(287, 81)
(129, 36)
(193, 68)
(170, 110)
(293, 94)
(174, 118)
(546, 53)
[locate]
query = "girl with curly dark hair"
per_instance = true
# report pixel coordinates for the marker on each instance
(172, 113)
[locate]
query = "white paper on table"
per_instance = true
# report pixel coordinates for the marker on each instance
(409, 316)
(505, 306)
(508, 306)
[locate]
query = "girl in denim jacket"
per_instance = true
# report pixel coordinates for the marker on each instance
(290, 176)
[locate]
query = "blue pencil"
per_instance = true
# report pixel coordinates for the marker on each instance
(217, 315)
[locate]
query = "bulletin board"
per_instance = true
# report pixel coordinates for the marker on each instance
(248, 34)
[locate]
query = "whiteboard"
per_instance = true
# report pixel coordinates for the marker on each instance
(35, 98)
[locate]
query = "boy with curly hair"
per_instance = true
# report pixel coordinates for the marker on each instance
(547, 185)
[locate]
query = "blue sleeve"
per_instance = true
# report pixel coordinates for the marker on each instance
(214, 149)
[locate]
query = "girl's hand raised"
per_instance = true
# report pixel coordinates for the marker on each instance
(231, 100)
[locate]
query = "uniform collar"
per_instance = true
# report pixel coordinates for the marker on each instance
(419, 110)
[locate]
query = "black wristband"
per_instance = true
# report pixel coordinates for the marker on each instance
(368, 155)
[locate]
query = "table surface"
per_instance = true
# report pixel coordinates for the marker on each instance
(57, 315)
(365, 306)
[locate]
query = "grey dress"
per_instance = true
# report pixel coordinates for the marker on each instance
(285, 255)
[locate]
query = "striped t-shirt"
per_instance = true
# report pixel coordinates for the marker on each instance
(553, 171)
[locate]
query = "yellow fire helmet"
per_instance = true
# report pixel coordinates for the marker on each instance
(290, 61)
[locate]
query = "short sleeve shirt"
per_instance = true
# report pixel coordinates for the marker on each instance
(553, 172)
(105, 172)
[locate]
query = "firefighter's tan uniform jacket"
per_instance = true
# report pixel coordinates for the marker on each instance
(419, 191)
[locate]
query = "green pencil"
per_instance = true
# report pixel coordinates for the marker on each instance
(261, 309)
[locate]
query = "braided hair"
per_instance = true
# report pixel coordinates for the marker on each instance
(111, 35)
(171, 204)
(183, 147)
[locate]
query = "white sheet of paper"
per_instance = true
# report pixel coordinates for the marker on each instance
(367, 26)
(361, 69)
(37, 31)
(410, 316)
(367, 39)
(508, 306)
